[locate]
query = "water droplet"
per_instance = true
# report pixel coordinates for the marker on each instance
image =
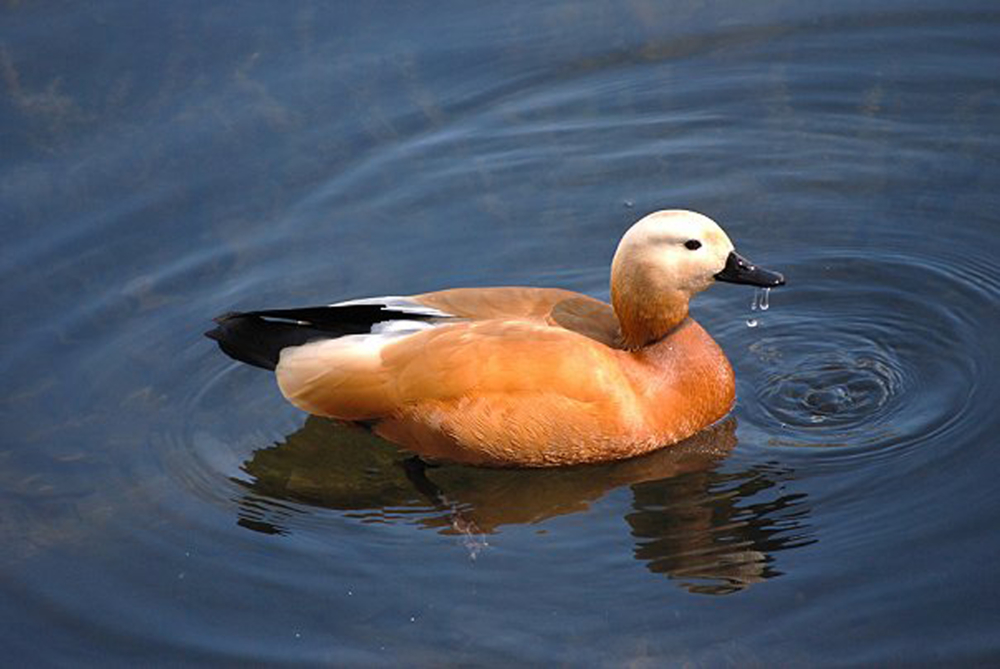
(765, 298)
(755, 299)
(751, 322)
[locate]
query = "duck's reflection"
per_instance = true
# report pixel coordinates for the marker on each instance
(713, 531)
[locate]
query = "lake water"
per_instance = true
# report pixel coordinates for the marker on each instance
(163, 163)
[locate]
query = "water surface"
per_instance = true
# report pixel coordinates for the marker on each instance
(161, 165)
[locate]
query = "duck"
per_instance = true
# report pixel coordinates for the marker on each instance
(519, 376)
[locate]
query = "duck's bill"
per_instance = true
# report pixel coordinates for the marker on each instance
(740, 270)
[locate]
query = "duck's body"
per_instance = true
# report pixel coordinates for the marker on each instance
(517, 376)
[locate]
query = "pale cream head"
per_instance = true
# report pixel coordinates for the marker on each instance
(661, 262)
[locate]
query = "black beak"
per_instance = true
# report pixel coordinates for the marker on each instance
(740, 270)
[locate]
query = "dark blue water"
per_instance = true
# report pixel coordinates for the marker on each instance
(160, 164)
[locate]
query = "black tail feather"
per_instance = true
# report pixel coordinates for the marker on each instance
(258, 337)
(256, 341)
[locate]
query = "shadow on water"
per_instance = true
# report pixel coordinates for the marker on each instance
(714, 532)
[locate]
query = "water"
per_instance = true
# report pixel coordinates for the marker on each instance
(163, 164)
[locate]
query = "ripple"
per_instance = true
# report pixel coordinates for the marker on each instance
(870, 355)
(832, 389)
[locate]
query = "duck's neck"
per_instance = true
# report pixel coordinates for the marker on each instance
(647, 321)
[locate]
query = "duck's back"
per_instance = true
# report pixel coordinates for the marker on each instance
(553, 306)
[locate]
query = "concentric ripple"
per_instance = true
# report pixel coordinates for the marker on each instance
(874, 353)
(833, 389)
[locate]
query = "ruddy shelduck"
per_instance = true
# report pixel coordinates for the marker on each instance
(519, 377)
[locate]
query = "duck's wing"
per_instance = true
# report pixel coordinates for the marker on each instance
(504, 361)
(438, 345)
(258, 337)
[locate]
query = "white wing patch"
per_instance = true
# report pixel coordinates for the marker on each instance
(391, 329)
(398, 303)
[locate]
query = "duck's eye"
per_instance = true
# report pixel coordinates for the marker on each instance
(692, 245)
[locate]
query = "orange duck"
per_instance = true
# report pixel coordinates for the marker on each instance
(519, 377)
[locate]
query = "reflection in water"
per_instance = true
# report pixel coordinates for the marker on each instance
(713, 531)
(704, 530)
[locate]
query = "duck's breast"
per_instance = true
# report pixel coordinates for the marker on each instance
(684, 382)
